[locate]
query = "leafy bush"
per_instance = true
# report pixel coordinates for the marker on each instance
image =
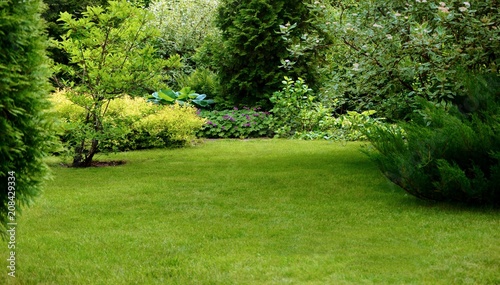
(173, 125)
(299, 114)
(445, 155)
(183, 25)
(387, 53)
(236, 123)
(132, 123)
(202, 80)
(296, 109)
(25, 127)
(348, 127)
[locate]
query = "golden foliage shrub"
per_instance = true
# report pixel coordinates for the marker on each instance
(131, 123)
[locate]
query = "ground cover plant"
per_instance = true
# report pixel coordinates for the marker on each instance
(248, 212)
(236, 123)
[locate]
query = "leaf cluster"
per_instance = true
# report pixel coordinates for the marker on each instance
(185, 96)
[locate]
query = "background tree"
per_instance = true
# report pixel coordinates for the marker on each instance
(184, 27)
(52, 14)
(386, 54)
(253, 49)
(24, 124)
(110, 55)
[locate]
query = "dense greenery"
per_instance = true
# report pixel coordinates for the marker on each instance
(387, 53)
(25, 127)
(252, 50)
(299, 113)
(183, 25)
(446, 155)
(110, 55)
(52, 13)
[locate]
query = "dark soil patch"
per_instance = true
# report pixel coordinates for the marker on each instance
(101, 163)
(108, 163)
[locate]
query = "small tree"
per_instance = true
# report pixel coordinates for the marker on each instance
(25, 131)
(110, 55)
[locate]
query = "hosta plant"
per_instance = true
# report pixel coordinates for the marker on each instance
(181, 97)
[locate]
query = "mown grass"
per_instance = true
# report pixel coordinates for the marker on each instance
(248, 212)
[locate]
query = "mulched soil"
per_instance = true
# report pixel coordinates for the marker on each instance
(101, 163)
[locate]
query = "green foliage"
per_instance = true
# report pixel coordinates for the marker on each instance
(236, 123)
(110, 55)
(202, 79)
(445, 155)
(296, 109)
(52, 14)
(185, 96)
(183, 25)
(351, 126)
(133, 124)
(387, 53)
(25, 127)
(248, 61)
(298, 113)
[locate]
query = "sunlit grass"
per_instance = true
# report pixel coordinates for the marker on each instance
(248, 212)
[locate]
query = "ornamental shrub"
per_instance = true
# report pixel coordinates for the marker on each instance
(299, 113)
(236, 123)
(446, 154)
(26, 134)
(351, 126)
(134, 124)
(174, 125)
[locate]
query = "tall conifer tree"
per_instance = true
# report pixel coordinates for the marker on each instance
(25, 132)
(253, 48)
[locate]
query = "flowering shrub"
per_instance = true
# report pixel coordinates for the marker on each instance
(387, 53)
(236, 123)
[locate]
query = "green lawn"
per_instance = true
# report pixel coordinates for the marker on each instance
(248, 212)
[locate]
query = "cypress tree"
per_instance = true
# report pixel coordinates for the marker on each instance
(248, 63)
(25, 132)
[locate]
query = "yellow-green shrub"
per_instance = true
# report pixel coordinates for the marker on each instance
(66, 110)
(130, 123)
(179, 121)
